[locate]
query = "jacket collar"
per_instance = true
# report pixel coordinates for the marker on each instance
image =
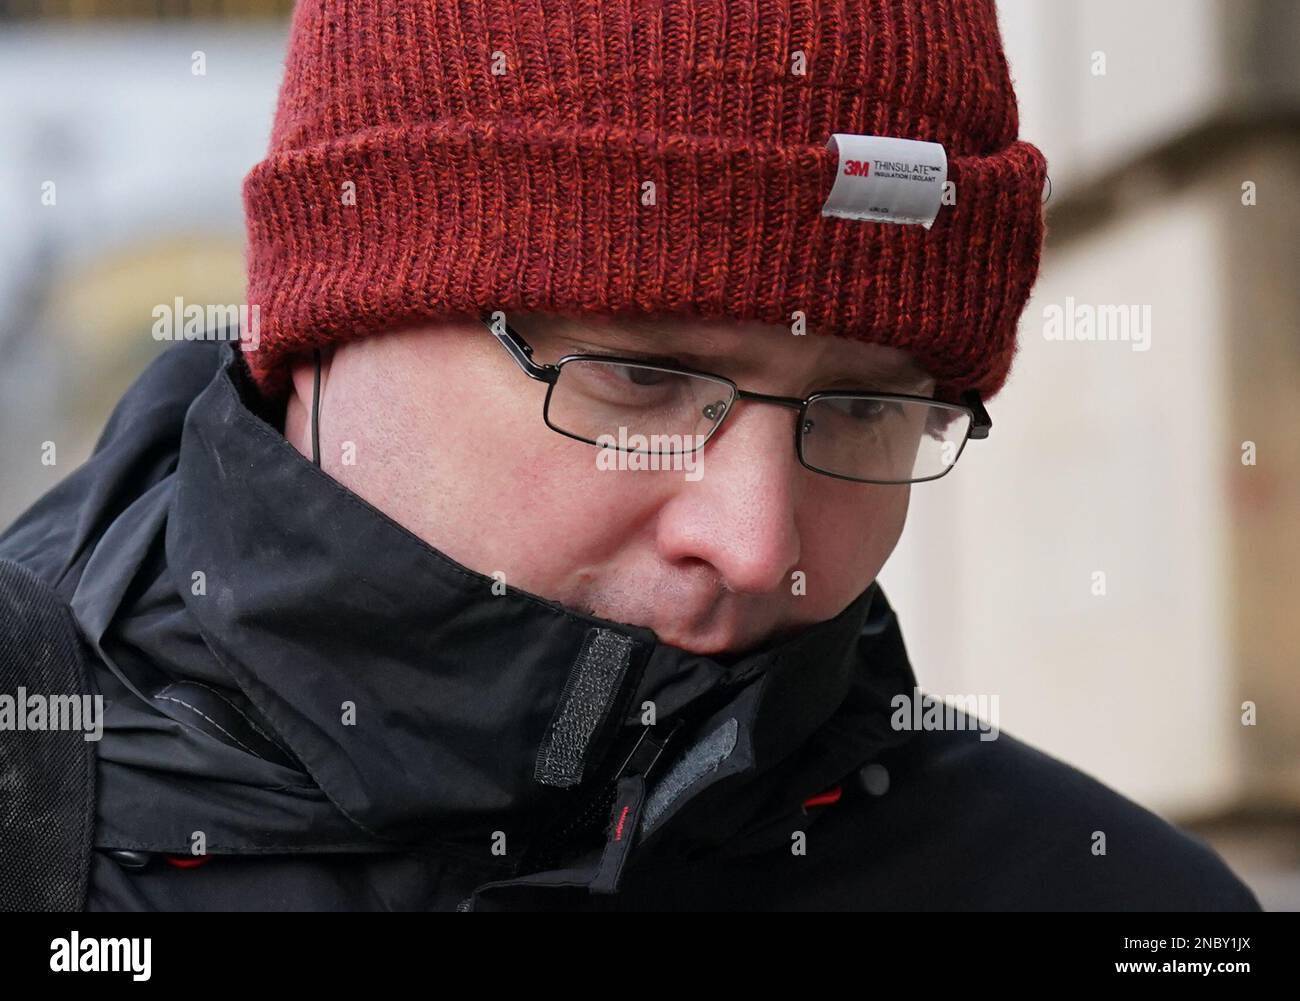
(431, 710)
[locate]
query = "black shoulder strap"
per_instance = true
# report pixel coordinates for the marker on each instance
(47, 775)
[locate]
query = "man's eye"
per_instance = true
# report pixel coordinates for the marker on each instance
(868, 410)
(640, 376)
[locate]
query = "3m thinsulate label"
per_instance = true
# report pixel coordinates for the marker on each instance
(884, 179)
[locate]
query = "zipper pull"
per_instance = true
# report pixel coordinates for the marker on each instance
(626, 815)
(633, 780)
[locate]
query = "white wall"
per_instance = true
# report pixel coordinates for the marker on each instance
(1102, 458)
(1165, 70)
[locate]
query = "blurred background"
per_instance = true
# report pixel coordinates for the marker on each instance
(1120, 566)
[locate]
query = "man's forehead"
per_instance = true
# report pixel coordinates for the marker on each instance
(734, 348)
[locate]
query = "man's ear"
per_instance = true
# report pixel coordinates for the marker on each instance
(303, 372)
(297, 412)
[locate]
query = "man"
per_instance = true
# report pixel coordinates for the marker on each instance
(387, 610)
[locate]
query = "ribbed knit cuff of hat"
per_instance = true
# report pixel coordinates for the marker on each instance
(454, 218)
(357, 228)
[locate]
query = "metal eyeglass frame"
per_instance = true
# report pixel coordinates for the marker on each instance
(522, 352)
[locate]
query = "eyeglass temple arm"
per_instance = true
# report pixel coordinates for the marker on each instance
(520, 350)
(981, 422)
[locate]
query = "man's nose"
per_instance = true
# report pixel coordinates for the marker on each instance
(739, 515)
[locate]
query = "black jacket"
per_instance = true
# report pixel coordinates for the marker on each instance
(345, 718)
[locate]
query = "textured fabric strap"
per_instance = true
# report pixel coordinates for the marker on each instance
(47, 811)
(592, 684)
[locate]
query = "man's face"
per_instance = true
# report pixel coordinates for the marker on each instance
(448, 440)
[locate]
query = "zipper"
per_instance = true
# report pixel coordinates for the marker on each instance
(631, 785)
(642, 760)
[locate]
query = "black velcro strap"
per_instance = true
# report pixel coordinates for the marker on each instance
(592, 684)
(47, 810)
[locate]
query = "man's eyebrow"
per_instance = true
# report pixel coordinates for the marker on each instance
(658, 352)
(643, 343)
(892, 374)
(880, 375)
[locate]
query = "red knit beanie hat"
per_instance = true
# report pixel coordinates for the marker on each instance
(432, 159)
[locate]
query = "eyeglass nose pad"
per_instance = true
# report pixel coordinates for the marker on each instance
(808, 425)
(715, 410)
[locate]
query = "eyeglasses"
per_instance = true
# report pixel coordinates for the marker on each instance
(614, 402)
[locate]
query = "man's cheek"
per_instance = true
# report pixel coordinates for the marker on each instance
(860, 539)
(886, 526)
